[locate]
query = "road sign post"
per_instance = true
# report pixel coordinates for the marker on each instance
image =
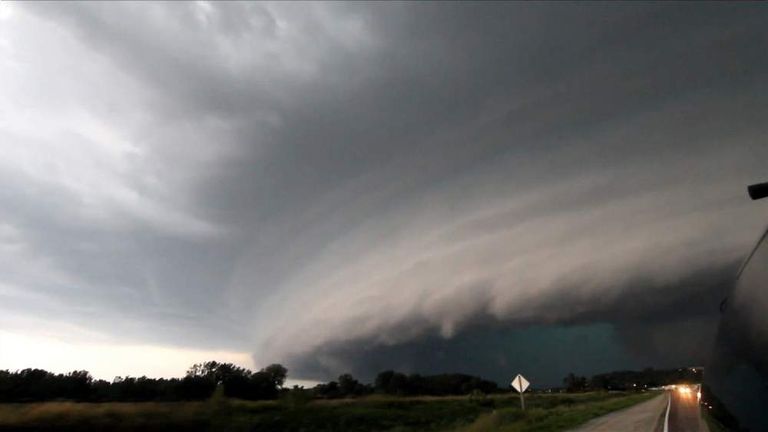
(520, 384)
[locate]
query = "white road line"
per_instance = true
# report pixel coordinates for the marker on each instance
(666, 417)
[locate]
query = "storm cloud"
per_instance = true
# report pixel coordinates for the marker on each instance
(341, 187)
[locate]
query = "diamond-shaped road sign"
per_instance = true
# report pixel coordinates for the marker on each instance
(520, 383)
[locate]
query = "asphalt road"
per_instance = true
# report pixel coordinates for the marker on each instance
(685, 412)
(642, 417)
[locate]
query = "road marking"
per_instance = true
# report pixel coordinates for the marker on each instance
(666, 417)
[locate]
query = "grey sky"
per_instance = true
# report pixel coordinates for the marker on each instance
(311, 183)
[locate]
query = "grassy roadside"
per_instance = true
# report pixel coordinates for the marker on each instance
(376, 413)
(712, 424)
(557, 418)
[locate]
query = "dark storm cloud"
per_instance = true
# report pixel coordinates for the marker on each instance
(319, 182)
(666, 325)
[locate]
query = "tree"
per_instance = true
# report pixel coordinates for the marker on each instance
(348, 385)
(218, 372)
(242, 383)
(77, 385)
(328, 390)
(392, 382)
(575, 383)
(277, 374)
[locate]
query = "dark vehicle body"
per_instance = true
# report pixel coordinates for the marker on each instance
(737, 377)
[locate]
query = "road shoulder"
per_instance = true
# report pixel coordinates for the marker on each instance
(642, 417)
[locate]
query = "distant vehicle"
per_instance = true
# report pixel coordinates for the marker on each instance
(736, 381)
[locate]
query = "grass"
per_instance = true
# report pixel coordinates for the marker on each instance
(549, 417)
(94, 416)
(714, 425)
(376, 413)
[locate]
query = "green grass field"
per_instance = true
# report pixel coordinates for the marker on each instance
(544, 413)
(552, 415)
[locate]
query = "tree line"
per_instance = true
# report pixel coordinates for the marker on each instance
(633, 380)
(396, 383)
(201, 380)
(32, 385)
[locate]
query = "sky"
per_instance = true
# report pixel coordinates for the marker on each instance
(488, 188)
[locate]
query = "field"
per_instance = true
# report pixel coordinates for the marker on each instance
(545, 412)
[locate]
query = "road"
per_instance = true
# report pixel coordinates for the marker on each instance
(641, 417)
(649, 416)
(685, 412)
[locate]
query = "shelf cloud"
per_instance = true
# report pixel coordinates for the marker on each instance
(345, 187)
